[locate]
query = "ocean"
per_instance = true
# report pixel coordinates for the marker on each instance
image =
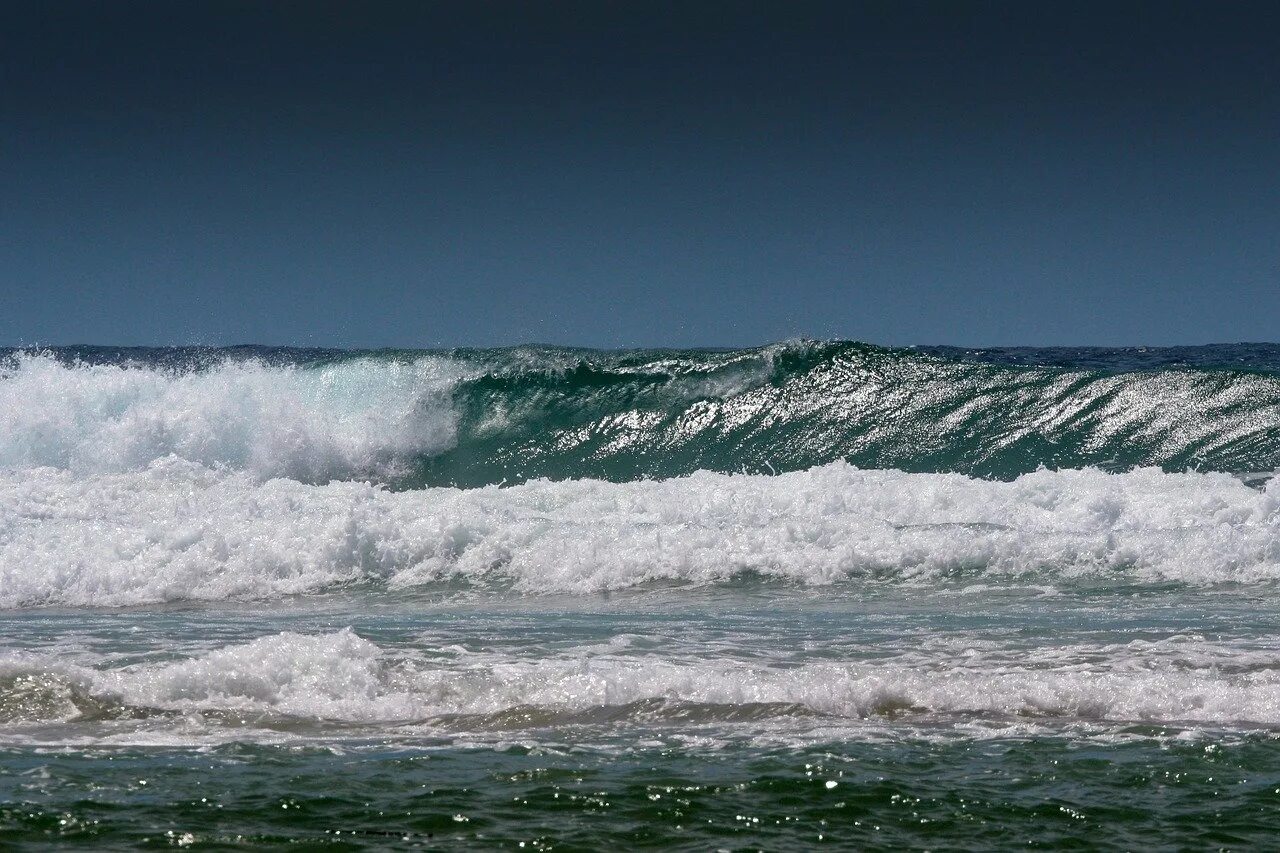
(813, 593)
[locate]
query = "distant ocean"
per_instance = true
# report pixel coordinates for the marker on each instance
(547, 598)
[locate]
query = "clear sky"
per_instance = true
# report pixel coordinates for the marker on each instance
(622, 174)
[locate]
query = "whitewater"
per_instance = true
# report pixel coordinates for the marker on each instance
(176, 531)
(744, 597)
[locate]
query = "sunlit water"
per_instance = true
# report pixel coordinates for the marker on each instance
(234, 614)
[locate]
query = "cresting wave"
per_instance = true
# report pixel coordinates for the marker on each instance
(343, 677)
(180, 531)
(346, 420)
(476, 417)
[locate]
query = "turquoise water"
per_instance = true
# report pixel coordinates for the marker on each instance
(239, 608)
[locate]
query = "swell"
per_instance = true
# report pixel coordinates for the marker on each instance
(476, 417)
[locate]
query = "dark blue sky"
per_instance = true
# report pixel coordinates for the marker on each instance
(618, 174)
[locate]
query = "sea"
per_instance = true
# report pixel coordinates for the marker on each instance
(532, 598)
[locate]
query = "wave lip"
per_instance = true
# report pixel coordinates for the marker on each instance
(179, 531)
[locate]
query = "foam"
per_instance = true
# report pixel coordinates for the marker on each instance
(341, 676)
(355, 418)
(181, 531)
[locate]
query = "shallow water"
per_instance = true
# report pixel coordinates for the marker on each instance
(747, 716)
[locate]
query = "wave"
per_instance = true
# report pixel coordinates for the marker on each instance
(344, 677)
(477, 417)
(179, 531)
(342, 420)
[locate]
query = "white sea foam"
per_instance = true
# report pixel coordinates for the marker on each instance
(341, 676)
(178, 530)
(347, 419)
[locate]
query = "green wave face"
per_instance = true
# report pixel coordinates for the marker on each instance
(561, 414)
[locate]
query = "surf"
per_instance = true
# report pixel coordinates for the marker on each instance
(178, 531)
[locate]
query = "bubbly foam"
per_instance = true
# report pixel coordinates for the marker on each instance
(179, 531)
(354, 418)
(341, 676)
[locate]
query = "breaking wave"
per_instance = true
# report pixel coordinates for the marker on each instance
(476, 417)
